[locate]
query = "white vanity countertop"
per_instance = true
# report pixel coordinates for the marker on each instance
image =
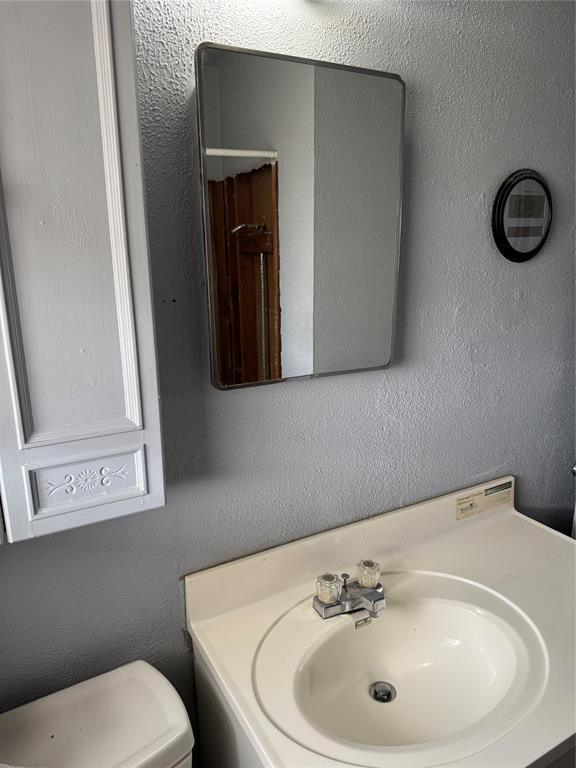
(231, 607)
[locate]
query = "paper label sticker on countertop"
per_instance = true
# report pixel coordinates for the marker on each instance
(481, 501)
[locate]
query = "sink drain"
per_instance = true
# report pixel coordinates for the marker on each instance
(382, 692)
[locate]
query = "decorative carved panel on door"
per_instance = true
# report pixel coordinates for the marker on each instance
(80, 419)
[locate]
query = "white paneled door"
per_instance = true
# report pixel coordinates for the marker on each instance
(80, 428)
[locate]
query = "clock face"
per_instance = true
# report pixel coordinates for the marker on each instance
(522, 215)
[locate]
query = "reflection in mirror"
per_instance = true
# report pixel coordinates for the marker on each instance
(302, 166)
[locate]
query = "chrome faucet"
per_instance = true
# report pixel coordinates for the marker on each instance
(337, 595)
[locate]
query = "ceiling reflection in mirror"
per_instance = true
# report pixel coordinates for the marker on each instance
(302, 169)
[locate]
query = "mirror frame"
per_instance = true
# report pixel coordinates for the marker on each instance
(206, 239)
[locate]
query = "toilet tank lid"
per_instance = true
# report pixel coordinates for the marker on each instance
(130, 717)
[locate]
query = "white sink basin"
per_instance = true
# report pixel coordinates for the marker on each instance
(478, 640)
(465, 663)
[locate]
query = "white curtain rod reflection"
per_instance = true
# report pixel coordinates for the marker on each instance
(269, 153)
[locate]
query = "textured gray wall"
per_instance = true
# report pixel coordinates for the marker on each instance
(484, 381)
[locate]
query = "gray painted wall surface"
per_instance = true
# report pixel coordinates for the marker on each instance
(484, 381)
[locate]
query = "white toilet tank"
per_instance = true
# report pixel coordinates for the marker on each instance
(130, 717)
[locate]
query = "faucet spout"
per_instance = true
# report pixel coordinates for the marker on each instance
(374, 602)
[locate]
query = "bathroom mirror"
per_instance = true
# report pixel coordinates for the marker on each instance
(301, 175)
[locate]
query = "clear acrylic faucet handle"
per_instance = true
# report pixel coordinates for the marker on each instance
(328, 587)
(368, 573)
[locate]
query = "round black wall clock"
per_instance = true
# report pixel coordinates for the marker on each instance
(522, 215)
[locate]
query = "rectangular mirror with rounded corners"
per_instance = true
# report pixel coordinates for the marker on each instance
(301, 175)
